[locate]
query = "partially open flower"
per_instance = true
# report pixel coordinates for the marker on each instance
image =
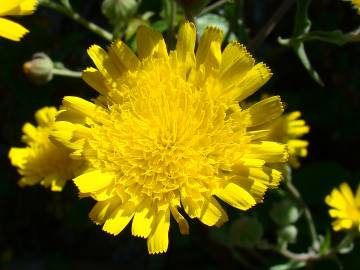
(345, 208)
(41, 161)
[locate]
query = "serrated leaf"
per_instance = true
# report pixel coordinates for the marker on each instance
(301, 28)
(335, 37)
(302, 21)
(299, 49)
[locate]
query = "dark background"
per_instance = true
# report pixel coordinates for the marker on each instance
(44, 230)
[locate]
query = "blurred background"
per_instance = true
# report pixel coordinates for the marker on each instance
(40, 229)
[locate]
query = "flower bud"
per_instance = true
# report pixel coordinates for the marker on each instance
(119, 12)
(287, 234)
(39, 69)
(284, 213)
(246, 232)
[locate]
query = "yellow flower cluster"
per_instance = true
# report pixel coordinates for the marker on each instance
(288, 129)
(345, 208)
(9, 29)
(43, 162)
(167, 133)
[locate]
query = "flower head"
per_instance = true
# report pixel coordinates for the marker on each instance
(43, 162)
(9, 29)
(345, 208)
(288, 129)
(167, 132)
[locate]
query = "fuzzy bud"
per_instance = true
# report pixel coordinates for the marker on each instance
(39, 69)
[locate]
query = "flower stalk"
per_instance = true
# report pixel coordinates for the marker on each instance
(67, 10)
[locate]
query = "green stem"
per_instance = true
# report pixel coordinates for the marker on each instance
(67, 73)
(212, 7)
(270, 24)
(296, 194)
(69, 12)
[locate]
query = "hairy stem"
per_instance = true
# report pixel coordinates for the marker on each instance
(67, 73)
(69, 12)
(308, 216)
(213, 7)
(270, 24)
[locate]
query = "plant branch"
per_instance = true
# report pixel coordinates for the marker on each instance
(213, 7)
(270, 24)
(67, 73)
(69, 12)
(308, 216)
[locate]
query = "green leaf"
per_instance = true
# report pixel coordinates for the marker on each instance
(302, 21)
(335, 37)
(299, 49)
(301, 28)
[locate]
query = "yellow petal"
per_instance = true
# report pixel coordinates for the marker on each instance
(209, 43)
(265, 110)
(26, 7)
(84, 107)
(8, 5)
(11, 30)
(211, 212)
(30, 133)
(150, 43)
(100, 212)
(93, 181)
(122, 56)
(143, 219)
(158, 240)
(46, 116)
(357, 196)
(236, 62)
(96, 80)
(347, 193)
(253, 81)
(236, 196)
(119, 218)
(103, 63)
(186, 40)
(183, 224)
(18, 156)
(272, 152)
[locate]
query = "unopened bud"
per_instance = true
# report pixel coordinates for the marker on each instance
(284, 213)
(288, 234)
(119, 12)
(39, 69)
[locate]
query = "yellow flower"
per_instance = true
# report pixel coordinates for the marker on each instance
(345, 208)
(42, 162)
(287, 129)
(167, 132)
(9, 29)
